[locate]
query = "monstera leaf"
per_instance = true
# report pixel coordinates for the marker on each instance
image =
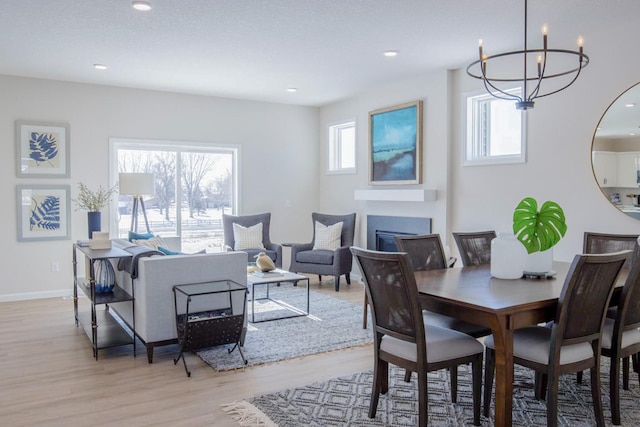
(46, 215)
(538, 230)
(42, 147)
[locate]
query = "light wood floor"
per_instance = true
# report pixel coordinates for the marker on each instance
(49, 377)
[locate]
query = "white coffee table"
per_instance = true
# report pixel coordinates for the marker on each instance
(283, 277)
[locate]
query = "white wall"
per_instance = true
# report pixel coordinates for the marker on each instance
(278, 143)
(558, 168)
(336, 192)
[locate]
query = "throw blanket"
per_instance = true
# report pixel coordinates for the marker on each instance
(130, 265)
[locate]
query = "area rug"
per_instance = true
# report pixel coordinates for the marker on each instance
(344, 402)
(333, 324)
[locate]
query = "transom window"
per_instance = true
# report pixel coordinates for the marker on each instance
(194, 185)
(342, 147)
(495, 130)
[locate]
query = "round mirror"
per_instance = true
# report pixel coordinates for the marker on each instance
(615, 152)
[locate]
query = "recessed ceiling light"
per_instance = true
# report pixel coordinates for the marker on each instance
(292, 89)
(99, 66)
(631, 104)
(390, 53)
(143, 6)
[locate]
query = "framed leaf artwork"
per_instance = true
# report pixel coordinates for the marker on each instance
(42, 150)
(43, 212)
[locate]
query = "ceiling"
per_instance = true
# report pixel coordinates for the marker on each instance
(257, 49)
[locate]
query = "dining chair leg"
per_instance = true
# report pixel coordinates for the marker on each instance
(636, 362)
(476, 369)
(347, 277)
(423, 398)
(595, 393)
(489, 368)
(540, 386)
(364, 312)
(552, 399)
(614, 389)
(453, 374)
(407, 376)
(579, 377)
(375, 388)
(625, 373)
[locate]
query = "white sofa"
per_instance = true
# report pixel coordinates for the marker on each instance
(155, 320)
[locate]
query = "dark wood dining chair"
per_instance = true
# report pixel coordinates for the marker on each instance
(401, 337)
(601, 243)
(573, 342)
(621, 338)
(426, 253)
(474, 247)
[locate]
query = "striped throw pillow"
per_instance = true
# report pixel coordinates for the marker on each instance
(327, 237)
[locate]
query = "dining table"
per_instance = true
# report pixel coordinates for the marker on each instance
(473, 295)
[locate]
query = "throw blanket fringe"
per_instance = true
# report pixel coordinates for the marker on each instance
(247, 415)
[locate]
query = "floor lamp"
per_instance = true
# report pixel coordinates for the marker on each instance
(137, 185)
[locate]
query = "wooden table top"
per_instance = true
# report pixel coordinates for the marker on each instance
(474, 287)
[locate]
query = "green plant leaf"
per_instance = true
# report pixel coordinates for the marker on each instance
(538, 230)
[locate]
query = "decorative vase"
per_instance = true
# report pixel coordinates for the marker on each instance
(105, 276)
(94, 219)
(539, 262)
(507, 256)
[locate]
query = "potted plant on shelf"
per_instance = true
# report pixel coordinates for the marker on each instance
(93, 202)
(539, 231)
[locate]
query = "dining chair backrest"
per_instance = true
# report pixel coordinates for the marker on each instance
(628, 313)
(425, 251)
(602, 243)
(584, 298)
(393, 295)
(474, 247)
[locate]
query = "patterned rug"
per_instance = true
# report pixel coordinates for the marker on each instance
(333, 324)
(345, 401)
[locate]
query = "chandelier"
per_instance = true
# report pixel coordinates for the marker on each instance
(558, 64)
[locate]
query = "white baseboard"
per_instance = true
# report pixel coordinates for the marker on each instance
(36, 295)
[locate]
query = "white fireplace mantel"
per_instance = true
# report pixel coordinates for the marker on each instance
(400, 195)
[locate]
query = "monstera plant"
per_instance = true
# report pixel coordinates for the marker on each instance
(538, 230)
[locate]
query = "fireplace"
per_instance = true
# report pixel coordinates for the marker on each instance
(382, 229)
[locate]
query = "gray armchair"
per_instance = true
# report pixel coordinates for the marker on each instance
(273, 250)
(326, 262)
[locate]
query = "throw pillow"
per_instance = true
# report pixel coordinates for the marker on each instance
(168, 251)
(153, 242)
(327, 237)
(139, 236)
(247, 237)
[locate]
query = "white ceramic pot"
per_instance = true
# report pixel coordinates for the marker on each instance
(539, 262)
(507, 256)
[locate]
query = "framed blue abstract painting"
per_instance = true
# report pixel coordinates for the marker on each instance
(395, 149)
(43, 212)
(42, 150)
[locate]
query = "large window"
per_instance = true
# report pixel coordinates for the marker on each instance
(194, 185)
(495, 130)
(342, 147)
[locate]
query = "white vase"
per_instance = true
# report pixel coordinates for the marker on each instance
(539, 262)
(507, 256)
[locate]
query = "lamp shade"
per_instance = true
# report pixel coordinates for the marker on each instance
(136, 184)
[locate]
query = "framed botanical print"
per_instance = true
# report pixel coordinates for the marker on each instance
(43, 212)
(42, 150)
(395, 144)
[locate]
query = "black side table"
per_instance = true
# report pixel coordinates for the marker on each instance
(206, 316)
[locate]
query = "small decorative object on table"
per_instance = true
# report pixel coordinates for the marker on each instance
(93, 202)
(264, 262)
(538, 231)
(105, 276)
